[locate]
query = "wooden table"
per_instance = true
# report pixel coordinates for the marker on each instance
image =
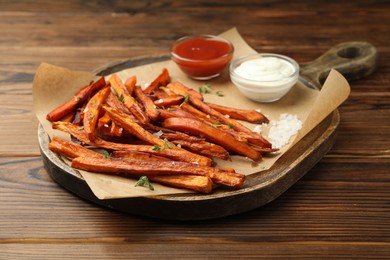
(340, 208)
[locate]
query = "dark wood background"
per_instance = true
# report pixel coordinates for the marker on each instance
(341, 208)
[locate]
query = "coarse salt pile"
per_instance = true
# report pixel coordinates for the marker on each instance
(283, 129)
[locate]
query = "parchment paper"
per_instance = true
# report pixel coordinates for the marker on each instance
(54, 85)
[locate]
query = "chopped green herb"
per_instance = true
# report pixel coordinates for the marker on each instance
(220, 93)
(216, 125)
(106, 154)
(171, 108)
(121, 98)
(186, 98)
(157, 148)
(169, 145)
(91, 115)
(144, 182)
(205, 88)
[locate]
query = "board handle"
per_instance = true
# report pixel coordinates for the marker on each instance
(354, 60)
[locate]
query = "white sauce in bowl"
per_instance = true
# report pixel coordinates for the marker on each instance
(265, 69)
(264, 77)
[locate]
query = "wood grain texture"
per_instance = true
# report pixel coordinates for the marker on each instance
(340, 209)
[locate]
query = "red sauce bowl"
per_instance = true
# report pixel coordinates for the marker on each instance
(202, 57)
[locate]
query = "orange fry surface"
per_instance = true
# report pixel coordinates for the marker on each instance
(148, 104)
(71, 150)
(127, 99)
(92, 112)
(162, 80)
(247, 115)
(77, 101)
(213, 134)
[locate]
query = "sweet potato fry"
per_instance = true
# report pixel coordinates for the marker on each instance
(213, 134)
(148, 104)
(140, 168)
(128, 100)
(107, 128)
(116, 104)
(167, 92)
(92, 112)
(264, 150)
(175, 135)
(175, 112)
(162, 80)
(201, 184)
(130, 84)
(182, 90)
(133, 128)
(138, 156)
(78, 116)
(174, 154)
(79, 98)
(204, 148)
(71, 150)
(198, 114)
(247, 115)
(169, 101)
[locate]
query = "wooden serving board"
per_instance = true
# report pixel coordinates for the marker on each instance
(260, 188)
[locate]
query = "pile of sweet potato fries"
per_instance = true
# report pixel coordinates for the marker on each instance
(166, 132)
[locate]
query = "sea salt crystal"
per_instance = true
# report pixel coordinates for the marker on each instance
(158, 134)
(145, 85)
(257, 129)
(283, 129)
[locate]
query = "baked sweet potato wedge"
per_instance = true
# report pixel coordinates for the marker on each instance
(130, 84)
(201, 184)
(148, 104)
(213, 134)
(71, 150)
(130, 102)
(184, 91)
(77, 101)
(162, 80)
(138, 156)
(248, 115)
(92, 112)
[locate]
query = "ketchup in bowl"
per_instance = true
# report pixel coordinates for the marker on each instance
(202, 57)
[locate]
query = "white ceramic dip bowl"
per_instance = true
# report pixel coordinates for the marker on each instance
(264, 77)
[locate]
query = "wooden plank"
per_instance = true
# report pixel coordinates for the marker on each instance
(195, 250)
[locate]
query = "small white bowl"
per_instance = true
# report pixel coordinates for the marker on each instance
(264, 77)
